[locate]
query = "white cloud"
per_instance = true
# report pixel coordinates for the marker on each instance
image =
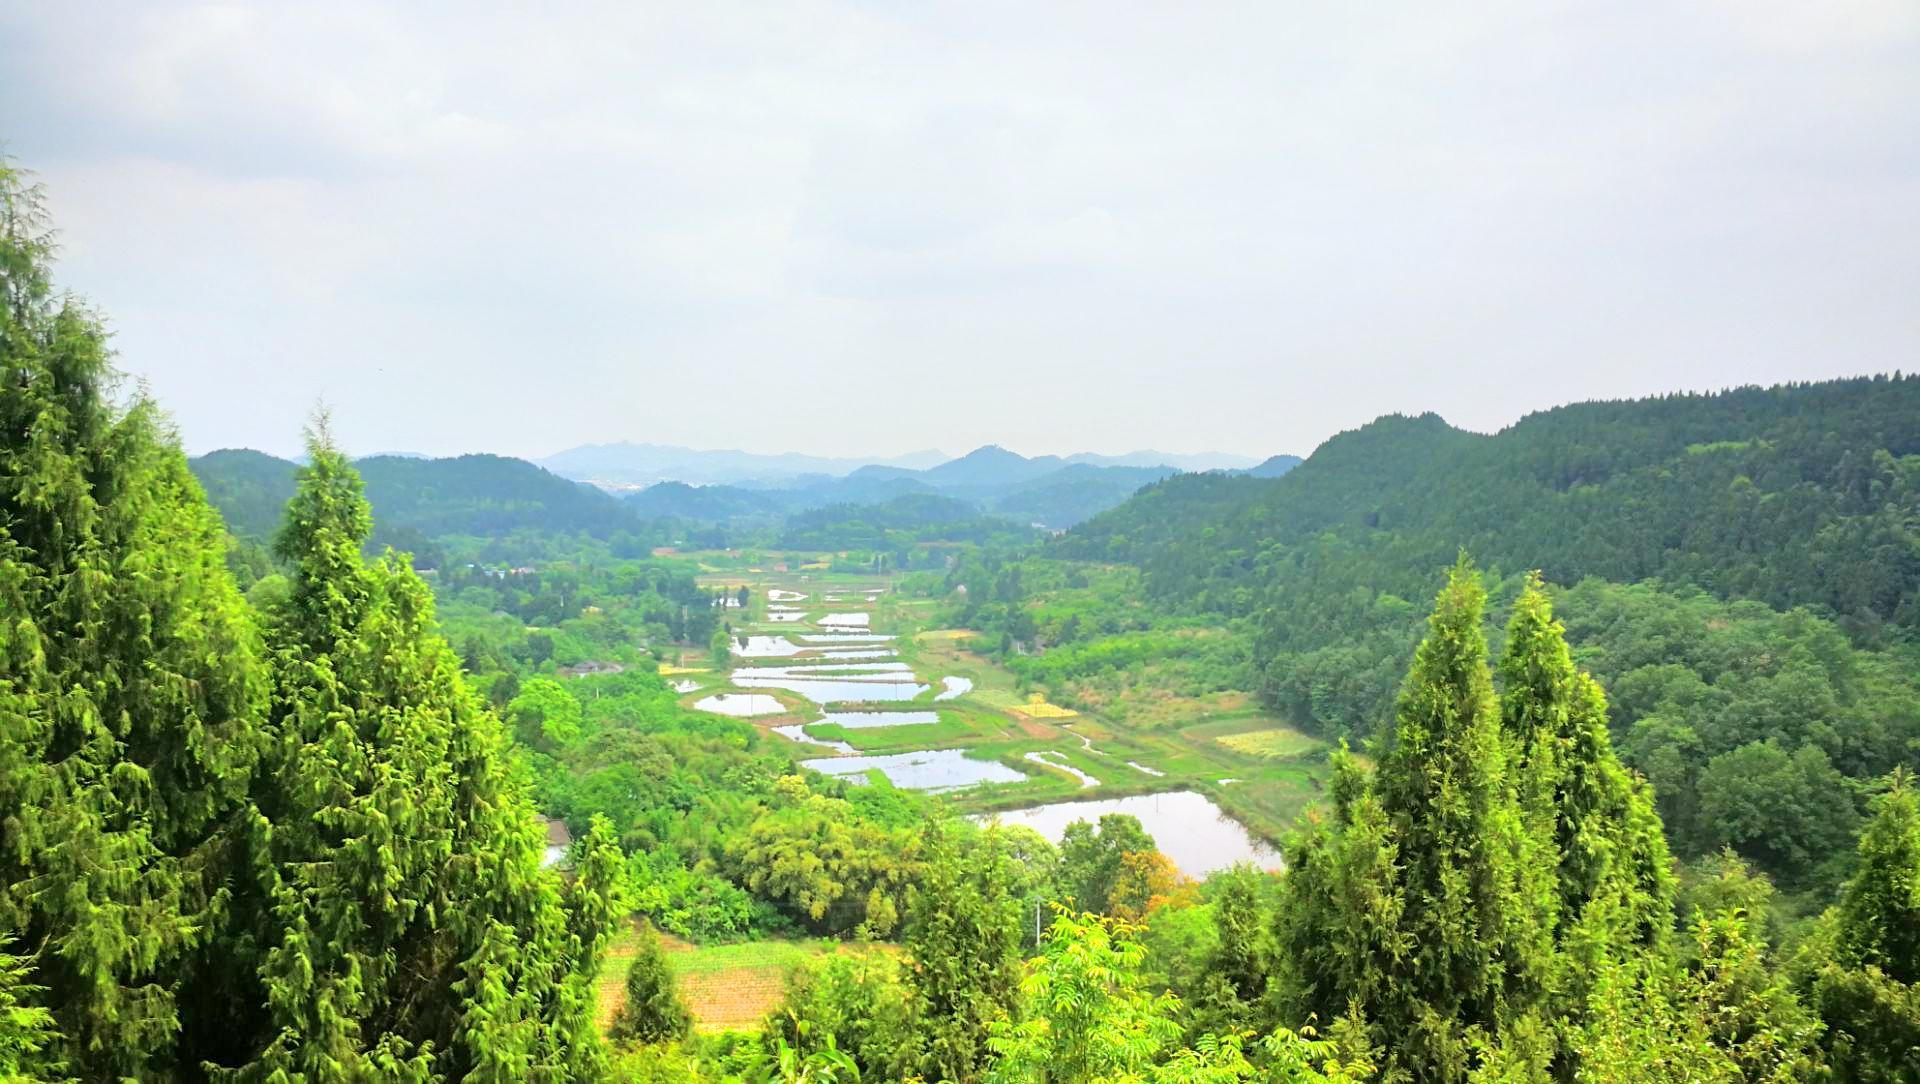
(494, 226)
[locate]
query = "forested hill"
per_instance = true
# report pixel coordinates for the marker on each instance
(1805, 494)
(467, 495)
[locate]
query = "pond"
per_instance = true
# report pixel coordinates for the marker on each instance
(933, 770)
(1188, 827)
(955, 687)
(741, 705)
(865, 720)
(827, 691)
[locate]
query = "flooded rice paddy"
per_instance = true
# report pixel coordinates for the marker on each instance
(931, 770)
(741, 705)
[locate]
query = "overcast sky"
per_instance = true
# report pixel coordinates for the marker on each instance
(858, 228)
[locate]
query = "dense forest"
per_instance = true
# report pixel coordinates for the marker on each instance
(1742, 568)
(271, 792)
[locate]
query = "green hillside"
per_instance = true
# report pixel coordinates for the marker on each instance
(420, 498)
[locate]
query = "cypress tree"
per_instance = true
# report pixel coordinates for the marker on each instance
(1589, 816)
(1342, 905)
(963, 942)
(1869, 992)
(403, 925)
(653, 1011)
(1478, 912)
(1425, 895)
(130, 682)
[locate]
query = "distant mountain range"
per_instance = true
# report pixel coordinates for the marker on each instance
(1051, 491)
(626, 465)
(415, 497)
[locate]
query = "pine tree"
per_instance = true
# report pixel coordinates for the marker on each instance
(130, 682)
(653, 1011)
(404, 926)
(963, 940)
(1869, 992)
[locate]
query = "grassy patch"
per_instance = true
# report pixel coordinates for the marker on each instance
(909, 736)
(728, 987)
(1277, 743)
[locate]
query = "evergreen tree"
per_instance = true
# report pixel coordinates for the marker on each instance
(1428, 888)
(594, 894)
(963, 939)
(1231, 993)
(1869, 992)
(27, 1033)
(130, 683)
(653, 1011)
(1586, 812)
(403, 925)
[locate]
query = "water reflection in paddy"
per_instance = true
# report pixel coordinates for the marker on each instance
(823, 691)
(798, 733)
(766, 647)
(932, 770)
(865, 720)
(1188, 827)
(956, 687)
(741, 705)
(831, 668)
(845, 621)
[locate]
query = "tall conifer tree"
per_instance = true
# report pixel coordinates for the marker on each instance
(1587, 812)
(130, 681)
(405, 928)
(1869, 993)
(1427, 891)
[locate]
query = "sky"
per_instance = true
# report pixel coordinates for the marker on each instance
(864, 228)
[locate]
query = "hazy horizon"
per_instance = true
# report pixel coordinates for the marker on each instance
(855, 232)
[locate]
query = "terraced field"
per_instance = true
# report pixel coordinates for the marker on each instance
(830, 644)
